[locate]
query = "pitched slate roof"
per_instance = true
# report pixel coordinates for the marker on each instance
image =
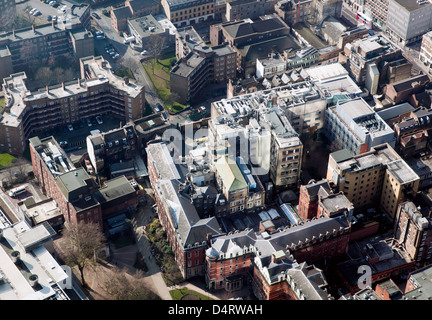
(190, 228)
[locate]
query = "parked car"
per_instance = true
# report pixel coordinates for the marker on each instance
(136, 47)
(99, 120)
(89, 123)
(54, 18)
(95, 15)
(144, 52)
(164, 116)
(49, 18)
(158, 107)
(70, 127)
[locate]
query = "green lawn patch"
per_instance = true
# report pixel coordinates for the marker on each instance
(6, 160)
(160, 77)
(2, 103)
(178, 294)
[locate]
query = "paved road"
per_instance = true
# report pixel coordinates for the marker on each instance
(133, 58)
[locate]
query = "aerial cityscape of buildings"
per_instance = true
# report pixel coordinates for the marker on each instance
(280, 145)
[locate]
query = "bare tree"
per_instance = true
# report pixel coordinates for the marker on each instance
(62, 75)
(121, 287)
(128, 63)
(155, 46)
(336, 145)
(172, 97)
(7, 18)
(29, 17)
(27, 52)
(44, 76)
(81, 242)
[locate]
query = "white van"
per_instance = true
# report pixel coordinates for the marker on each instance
(129, 39)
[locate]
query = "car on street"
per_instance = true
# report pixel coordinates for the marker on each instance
(70, 127)
(144, 52)
(164, 116)
(95, 15)
(158, 107)
(136, 47)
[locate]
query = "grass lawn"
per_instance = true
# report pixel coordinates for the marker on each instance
(2, 103)
(161, 80)
(6, 160)
(177, 294)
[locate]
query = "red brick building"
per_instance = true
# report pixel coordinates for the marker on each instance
(412, 230)
(187, 233)
(334, 204)
(378, 259)
(71, 188)
(309, 196)
(132, 9)
(77, 195)
(234, 259)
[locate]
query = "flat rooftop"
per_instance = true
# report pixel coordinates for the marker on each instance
(402, 171)
(42, 211)
(146, 26)
(412, 5)
(380, 155)
(52, 154)
(326, 71)
(185, 69)
(39, 261)
(335, 202)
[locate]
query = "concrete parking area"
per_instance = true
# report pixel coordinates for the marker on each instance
(76, 139)
(45, 9)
